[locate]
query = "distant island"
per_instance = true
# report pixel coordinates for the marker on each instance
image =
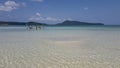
(65, 23)
(76, 23)
(3, 23)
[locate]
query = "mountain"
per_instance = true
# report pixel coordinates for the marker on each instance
(65, 23)
(76, 23)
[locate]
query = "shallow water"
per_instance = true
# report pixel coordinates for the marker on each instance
(60, 47)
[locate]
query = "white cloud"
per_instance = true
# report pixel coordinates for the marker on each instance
(86, 8)
(52, 19)
(23, 4)
(39, 17)
(38, 0)
(10, 5)
(38, 14)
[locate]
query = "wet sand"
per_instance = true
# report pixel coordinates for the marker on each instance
(60, 49)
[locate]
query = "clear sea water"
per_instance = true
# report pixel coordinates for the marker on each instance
(60, 47)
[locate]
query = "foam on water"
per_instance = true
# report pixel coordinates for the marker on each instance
(60, 47)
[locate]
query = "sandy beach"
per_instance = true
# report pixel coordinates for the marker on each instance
(50, 48)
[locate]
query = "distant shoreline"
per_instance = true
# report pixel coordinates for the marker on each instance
(65, 23)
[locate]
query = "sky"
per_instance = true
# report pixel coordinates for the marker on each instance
(57, 11)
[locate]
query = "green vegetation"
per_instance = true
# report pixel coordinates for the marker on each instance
(65, 23)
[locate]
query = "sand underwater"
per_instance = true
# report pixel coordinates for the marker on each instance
(60, 47)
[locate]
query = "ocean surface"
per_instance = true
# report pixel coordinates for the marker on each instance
(60, 47)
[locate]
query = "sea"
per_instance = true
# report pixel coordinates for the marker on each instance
(60, 47)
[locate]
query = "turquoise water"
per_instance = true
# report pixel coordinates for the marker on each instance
(60, 47)
(90, 28)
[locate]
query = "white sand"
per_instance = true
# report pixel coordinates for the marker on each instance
(60, 49)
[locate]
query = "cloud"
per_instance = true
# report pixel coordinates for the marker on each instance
(37, 0)
(39, 17)
(53, 19)
(10, 5)
(86, 8)
(23, 4)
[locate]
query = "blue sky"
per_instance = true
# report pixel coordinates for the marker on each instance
(56, 11)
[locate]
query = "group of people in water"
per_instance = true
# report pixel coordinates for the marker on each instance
(32, 25)
(36, 27)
